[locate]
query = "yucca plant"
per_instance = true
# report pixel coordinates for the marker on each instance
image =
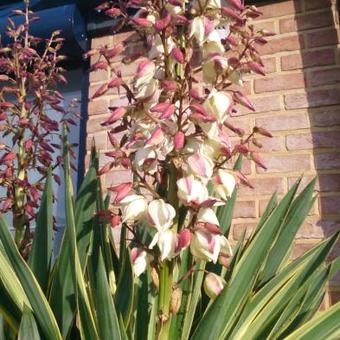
(90, 292)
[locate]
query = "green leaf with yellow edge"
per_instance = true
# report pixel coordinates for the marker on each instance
(28, 328)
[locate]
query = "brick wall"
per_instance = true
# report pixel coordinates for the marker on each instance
(298, 101)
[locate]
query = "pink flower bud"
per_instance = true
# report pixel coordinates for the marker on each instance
(160, 107)
(8, 157)
(178, 55)
(99, 65)
(114, 51)
(102, 89)
(258, 160)
(236, 4)
(57, 179)
(113, 12)
(195, 94)
(262, 131)
(106, 168)
(116, 82)
(213, 285)
(256, 67)
(3, 116)
(169, 85)
(240, 98)
(163, 23)
(232, 14)
(208, 26)
(179, 140)
(183, 239)
(116, 114)
(168, 112)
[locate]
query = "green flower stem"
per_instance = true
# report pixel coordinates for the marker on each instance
(165, 291)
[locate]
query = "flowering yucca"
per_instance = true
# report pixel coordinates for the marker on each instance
(29, 136)
(176, 130)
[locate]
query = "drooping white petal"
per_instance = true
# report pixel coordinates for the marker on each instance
(133, 207)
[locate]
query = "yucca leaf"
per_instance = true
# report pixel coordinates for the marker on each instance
(271, 294)
(323, 326)
(153, 302)
(142, 307)
(35, 295)
(281, 248)
(9, 312)
(193, 300)
(87, 324)
(214, 323)
(41, 254)
(122, 329)
(28, 328)
(62, 293)
(107, 320)
(125, 288)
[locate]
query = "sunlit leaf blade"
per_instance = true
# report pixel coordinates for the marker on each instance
(62, 294)
(40, 257)
(28, 328)
(214, 323)
(281, 248)
(323, 326)
(30, 285)
(142, 306)
(87, 324)
(193, 300)
(107, 320)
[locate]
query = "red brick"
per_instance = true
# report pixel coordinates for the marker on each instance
(314, 98)
(102, 41)
(300, 248)
(315, 140)
(244, 209)
(239, 228)
(99, 76)
(280, 8)
(308, 59)
(317, 4)
(324, 77)
(330, 205)
(324, 183)
(262, 186)
(284, 122)
(261, 104)
(327, 160)
(270, 144)
(279, 44)
(305, 22)
(93, 125)
(264, 25)
(100, 140)
(117, 176)
(317, 229)
(98, 107)
(327, 117)
(322, 38)
(280, 82)
(285, 163)
(263, 205)
(269, 65)
(240, 123)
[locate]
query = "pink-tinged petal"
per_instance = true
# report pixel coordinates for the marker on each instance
(181, 20)
(179, 140)
(213, 228)
(200, 109)
(241, 148)
(178, 55)
(256, 67)
(57, 179)
(115, 115)
(156, 138)
(8, 157)
(144, 67)
(106, 168)
(208, 26)
(121, 190)
(183, 239)
(240, 98)
(168, 112)
(195, 94)
(258, 160)
(99, 65)
(200, 165)
(160, 107)
(3, 116)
